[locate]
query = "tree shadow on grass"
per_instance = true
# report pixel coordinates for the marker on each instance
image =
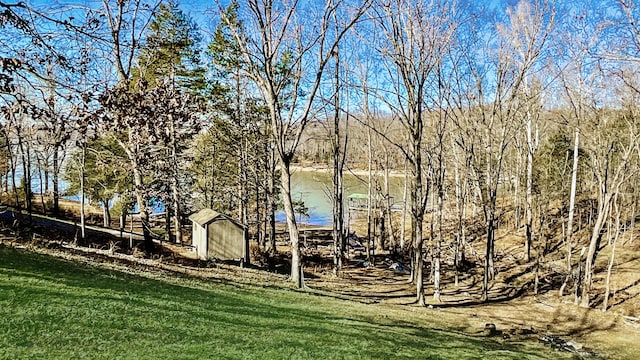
(220, 318)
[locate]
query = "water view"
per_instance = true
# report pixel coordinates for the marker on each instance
(314, 189)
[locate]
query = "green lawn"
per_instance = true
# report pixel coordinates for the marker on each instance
(51, 308)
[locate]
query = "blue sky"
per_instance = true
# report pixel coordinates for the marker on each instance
(201, 10)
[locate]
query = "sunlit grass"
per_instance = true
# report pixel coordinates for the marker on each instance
(51, 308)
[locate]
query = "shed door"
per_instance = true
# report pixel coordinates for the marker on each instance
(226, 240)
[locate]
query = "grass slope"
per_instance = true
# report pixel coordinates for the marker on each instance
(52, 308)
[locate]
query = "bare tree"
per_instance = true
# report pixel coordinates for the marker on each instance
(35, 40)
(496, 109)
(579, 84)
(596, 66)
(286, 57)
(416, 37)
(616, 213)
(529, 28)
(612, 161)
(338, 133)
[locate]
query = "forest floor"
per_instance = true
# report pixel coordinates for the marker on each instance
(513, 307)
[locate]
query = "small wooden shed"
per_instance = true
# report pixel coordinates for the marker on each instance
(218, 236)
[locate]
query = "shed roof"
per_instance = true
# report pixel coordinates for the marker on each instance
(206, 216)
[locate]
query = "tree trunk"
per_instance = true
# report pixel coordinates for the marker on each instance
(29, 178)
(418, 265)
(440, 172)
(82, 198)
(405, 191)
(296, 256)
(142, 207)
(339, 156)
(594, 244)
(437, 248)
(271, 203)
(540, 253)
(529, 210)
(13, 157)
(380, 229)
(418, 198)
(177, 212)
(259, 208)
(338, 217)
(242, 205)
(488, 263)
(13, 164)
(56, 179)
(175, 194)
(605, 301)
(460, 193)
(369, 192)
(390, 231)
(46, 177)
(167, 222)
(413, 232)
(572, 201)
(123, 220)
(516, 193)
(41, 179)
(26, 170)
(106, 214)
(456, 252)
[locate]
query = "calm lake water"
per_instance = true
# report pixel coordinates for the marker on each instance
(312, 187)
(315, 187)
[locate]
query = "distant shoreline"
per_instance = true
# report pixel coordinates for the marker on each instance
(327, 170)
